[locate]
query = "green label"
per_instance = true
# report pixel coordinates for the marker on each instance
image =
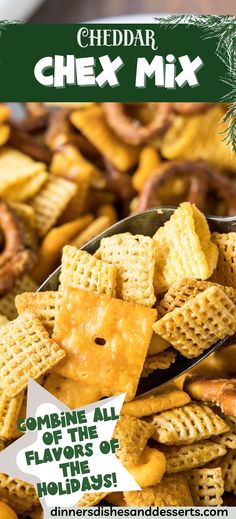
(74, 62)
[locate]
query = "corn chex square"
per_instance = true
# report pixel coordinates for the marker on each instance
(162, 360)
(181, 291)
(184, 248)
(41, 304)
(228, 439)
(228, 467)
(82, 270)
(187, 425)
(206, 485)
(225, 272)
(26, 350)
(199, 323)
(51, 201)
(7, 302)
(9, 412)
(134, 258)
(97, 334)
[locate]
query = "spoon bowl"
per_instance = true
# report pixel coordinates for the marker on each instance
(146, 223)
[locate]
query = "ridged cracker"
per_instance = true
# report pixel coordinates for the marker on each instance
(228, 467)
(134, 258)
(51, 201)
(184, 248)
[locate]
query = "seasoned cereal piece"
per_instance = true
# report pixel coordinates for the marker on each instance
(133, 435)
(171, 491)
(25, 351)
(228, 467)
(181, 458)
(184, 248)
(149, 468)
(7, 302)
(228, 439)
(79, 269)
(134, 258)
(21, 177)
(96, 227)
(92, 123)
(51, 201)
(165, 397)
(157, 344)
(181, 291)
(199, 323)
(91, 499)
(19, 495)
(187, 425)
(40, 304)
(206, 486)
(162, 360)
(225, 272)
(9, 412)
(98, 335)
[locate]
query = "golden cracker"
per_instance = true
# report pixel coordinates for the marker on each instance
(165, 397)
(41, 304)
(187, 457)
(133, 435)
(206, 486)
(225, 272)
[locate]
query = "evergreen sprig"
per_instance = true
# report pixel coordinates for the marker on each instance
(224, 29)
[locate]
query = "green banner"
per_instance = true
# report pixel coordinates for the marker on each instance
(94, 62)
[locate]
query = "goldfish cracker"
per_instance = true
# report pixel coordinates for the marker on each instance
(148, 164)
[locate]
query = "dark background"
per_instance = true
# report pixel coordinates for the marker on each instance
(80, 10)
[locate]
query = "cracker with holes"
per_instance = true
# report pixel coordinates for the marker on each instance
(184, 248)
(26, 350)
(186, 457)
(228, 439)
(134, 258)
(19, 495)
(82, 270)
(199, 323)
(228, 467)
(97, 334)
(187, 425)
(206, 485)
(225, 272)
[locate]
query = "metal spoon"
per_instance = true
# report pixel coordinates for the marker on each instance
(147, 223)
